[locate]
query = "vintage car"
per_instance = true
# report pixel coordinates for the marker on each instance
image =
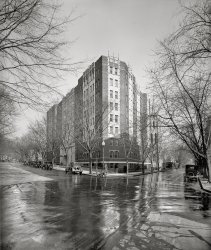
(191, 173)
(76, 169)
(47, 165)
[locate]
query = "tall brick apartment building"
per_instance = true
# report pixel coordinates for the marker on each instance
(107, 101)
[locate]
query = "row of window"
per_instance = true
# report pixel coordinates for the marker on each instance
(113, 70)
(97, 154)
(112, 95)
(116, 118)
(89, 77)
(112, 106)
(90, 89)
(114, 130)
(114, 142)
(112, 82)
(113, 153)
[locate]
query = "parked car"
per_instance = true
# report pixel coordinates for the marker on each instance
(76, 169)
(47, 165)
(191, 172)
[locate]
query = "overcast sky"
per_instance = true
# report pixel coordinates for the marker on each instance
(129, 29)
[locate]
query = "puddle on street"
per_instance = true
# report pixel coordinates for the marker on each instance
(81, 211)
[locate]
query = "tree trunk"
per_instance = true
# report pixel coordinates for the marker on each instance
(66, 157)
(203, 166)
(127, 167)
(143, 168)
(90, 163)
(209, 168)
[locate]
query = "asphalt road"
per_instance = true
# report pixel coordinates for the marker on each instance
(50, 210)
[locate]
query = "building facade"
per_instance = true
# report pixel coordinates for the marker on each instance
(107, 113)
(53, 129)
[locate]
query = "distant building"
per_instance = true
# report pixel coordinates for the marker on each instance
(67, 153)
(54, 121)
(107, 100)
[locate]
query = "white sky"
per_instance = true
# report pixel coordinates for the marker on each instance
(128, 28)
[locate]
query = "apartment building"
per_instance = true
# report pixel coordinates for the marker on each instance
(53, 150)
(108, 114)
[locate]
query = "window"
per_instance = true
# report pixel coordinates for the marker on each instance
(116, 154)
(116, 118)
(111, 93)
(116, 130)
(111, 81)
(111, 153)
(111, 129)
(111, 117)
(116, 94)
(111, 142)
(116, 70)
(116, 83)
(111, 106)
(116, 106)
(116, 143)
(111, 70)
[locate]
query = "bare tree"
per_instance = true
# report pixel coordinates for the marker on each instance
(67, 140)
(131, 148)
(53, 147)
(194, 32)
(24, 148)
(32, 49)
(181, 83)
(7, 113)
(89, 129)
(37, 131)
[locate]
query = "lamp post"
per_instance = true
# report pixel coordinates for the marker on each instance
(103, 145)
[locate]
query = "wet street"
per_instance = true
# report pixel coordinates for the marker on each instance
(50, 210)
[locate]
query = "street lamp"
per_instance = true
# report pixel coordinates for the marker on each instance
(103, 145)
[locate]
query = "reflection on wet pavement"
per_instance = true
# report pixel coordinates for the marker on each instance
(80, 212)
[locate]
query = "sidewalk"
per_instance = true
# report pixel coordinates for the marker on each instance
(58, 167)
(86, 172)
